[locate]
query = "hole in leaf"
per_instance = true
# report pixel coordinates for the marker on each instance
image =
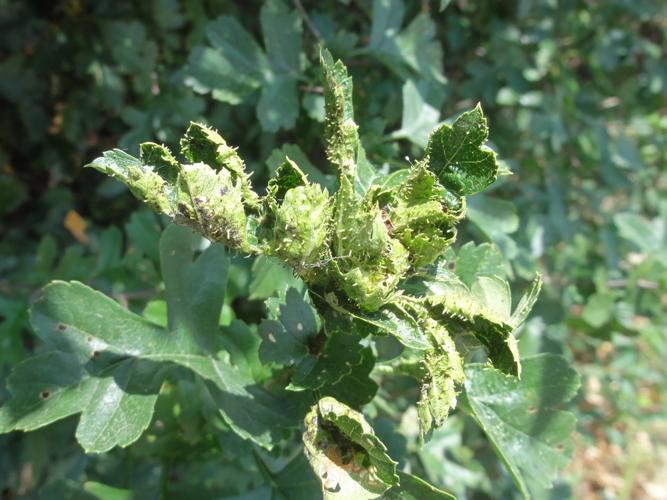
(62, 327)
(334, 489)
(44, 394)
(249, 311)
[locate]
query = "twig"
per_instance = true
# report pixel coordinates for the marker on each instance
(306, 19)
(641, 283)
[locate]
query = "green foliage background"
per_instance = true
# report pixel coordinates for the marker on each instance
(575, 95)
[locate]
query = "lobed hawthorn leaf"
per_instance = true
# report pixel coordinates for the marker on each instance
(234, 65)
(356, 388)
(337, 356)
(456, 154)
(288, 332)
(109, 364)
(419, 117)
(529, 432)
(413, 49)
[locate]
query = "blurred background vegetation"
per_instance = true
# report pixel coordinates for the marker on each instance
(576, 94)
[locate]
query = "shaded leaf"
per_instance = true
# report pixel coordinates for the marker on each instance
(522, 418)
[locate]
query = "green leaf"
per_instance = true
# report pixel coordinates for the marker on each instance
(333, 354)
(420, 48)
(295, 481)
(419, 117)
(109, 364)
(456, 154)
(400, 324)
(283, 35)
(345, 453)
(232, 67)
(194, 289)
(443, 374)
(106, 492)
(526, 302)
(414, 49)
(93, 369)
(210, 195)
(286, 336)
(294, 153)
(235, 65)
(413, 488)
(529, 432)
(269, 277)
(143, 232)
(278, 105)
(356, 388)
(496, 219)
(639, 231)
(209, 71)
(479, 260)
(386, 23)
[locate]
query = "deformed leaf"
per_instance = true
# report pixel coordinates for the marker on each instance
(457, 155)
(391, 320)
(341, 131)
(345, 453)
(483, 311)
(529, 432)
(212, 194)
(526, 302)
(443, 367)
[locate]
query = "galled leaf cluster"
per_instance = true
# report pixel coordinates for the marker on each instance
(354, 248)
(372, 255)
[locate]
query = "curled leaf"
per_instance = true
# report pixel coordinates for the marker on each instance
(346, 455)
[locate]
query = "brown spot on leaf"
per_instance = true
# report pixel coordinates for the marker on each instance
(44, 394)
